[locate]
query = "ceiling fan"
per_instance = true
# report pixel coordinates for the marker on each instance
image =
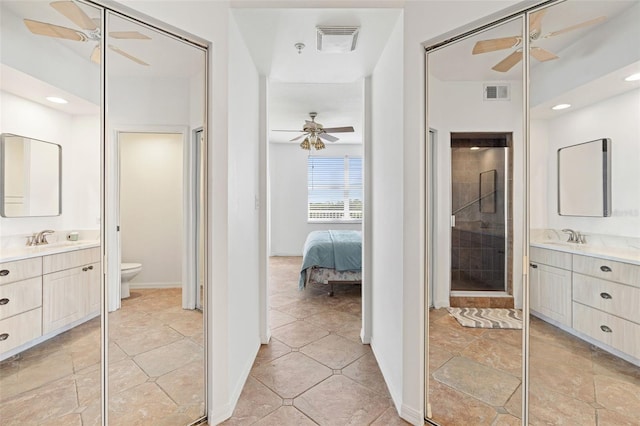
(535, 34)
(90, 27)
(315, 133)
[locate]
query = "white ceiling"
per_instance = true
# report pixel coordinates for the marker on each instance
(330, 84)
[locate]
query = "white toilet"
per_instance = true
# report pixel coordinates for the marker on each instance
(127, 272)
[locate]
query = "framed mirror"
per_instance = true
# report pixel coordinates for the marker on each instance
(31, 182)
(584, 179)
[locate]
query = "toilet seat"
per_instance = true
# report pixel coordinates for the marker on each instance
(129, 266)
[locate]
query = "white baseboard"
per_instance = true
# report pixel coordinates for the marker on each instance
(411, 415)
(155, 285)
(224, 412)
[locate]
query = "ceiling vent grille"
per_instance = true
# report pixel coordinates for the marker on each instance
(337, 39)
(496, 92)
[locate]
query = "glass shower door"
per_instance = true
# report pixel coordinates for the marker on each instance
(478, 217)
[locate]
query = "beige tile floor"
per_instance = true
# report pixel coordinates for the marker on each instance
(315, 370)
(155, 369)
(475, 377)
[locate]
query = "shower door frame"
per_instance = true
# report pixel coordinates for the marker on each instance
(508, 253)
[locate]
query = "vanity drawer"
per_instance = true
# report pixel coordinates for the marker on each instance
(20, 296)
(71, 259)
(625, 273)
(20, 270)
(556, 258)
(609, 329)
(617, 299)
(20, 329)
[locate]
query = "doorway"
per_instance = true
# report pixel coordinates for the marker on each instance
(480, 203)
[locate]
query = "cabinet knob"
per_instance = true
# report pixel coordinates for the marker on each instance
(4, 336)
(84, 269)
(4, 301)
(606, 329)
(533, 265)
(90, 267)
(605, 268)
(4, 273)
(605, 295)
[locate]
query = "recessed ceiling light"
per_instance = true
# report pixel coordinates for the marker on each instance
(474, 148)
(561, 106)
(633, 77)
(57, 100)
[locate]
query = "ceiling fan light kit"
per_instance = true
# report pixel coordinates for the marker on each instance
(535, 34)
(315, 134)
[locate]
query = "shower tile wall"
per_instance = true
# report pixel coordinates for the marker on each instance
(478, 239)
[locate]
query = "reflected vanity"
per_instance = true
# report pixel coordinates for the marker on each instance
(31, 180)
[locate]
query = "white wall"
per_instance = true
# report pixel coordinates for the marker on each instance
(244, 290)
(615, 118)
(79, 137)
(288, 178)
(151, 217)
(386, 212)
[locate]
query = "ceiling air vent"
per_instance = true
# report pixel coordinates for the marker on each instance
(496, 92)
(337, 39)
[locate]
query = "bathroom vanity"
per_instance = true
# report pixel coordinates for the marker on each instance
(591, 292)
(45, 291)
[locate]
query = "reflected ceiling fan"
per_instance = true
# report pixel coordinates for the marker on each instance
(535, 34)
(90, 27)
(315, 133)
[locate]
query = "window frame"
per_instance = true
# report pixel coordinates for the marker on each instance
(345, 189)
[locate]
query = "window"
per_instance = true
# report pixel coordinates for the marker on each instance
(334, 189)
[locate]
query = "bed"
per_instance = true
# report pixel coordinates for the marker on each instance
(332, 257)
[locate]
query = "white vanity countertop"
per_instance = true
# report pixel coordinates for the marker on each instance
(627, 255)
(26, 252)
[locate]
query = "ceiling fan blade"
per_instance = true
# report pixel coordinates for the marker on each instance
(484, 46)
(509, 62)
(338, 129)
(126, 55)
(327, 137)
(535, 22)
(129, 35)
(96, 55)
(50, 30)
(298, 137)
(74, 14)
(542, 55)
(577, 26)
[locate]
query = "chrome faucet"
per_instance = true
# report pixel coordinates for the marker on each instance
(40, 238)
(573, 237)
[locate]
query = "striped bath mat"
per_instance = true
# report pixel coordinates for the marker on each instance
(487, 317)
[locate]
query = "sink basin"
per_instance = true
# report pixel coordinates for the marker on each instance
(563, 244)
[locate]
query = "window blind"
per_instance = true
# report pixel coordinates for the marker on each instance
(334, 188)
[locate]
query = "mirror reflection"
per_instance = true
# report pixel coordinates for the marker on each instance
(30, 182)
(50, 262)
(584, 179)
(155, 93)
(475, 318)
(584, 287)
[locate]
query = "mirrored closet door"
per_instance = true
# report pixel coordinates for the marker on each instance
(572, 169)
(584, 357)
(155, 91)
(476, 116)
(50, 248)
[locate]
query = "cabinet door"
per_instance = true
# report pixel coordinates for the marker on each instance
(551, 292)
(92, 286)
(64, 298)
